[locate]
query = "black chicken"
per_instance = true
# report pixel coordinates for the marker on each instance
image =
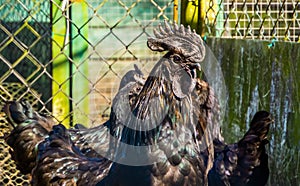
(163, 130)
(244, 162)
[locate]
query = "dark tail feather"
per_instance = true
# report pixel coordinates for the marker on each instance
(252, 157)
(60, 162)
(260, 125)
(258, 131)
(30, 128)
(17, 112)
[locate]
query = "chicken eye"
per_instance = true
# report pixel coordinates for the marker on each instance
(177, 58)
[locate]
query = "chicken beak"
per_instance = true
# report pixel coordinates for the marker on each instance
(194, 68)
(198, 66)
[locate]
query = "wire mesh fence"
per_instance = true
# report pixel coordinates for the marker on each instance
(266, 19)
(245, 19)
(49, 45)
(69, 56)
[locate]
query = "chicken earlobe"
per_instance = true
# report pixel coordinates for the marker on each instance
(183, 84)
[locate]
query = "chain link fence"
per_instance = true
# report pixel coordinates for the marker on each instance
(67, 57)
(53, 46)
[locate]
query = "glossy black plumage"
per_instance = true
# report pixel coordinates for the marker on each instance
(172, 112)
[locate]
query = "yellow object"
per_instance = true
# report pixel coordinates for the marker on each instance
(190, 13)
(78, 1)
(175, 15)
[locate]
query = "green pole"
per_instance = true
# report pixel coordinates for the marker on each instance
(70, 86)
(80, 88)
(60, 66)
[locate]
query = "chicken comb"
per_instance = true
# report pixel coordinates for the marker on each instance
(179, 39)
